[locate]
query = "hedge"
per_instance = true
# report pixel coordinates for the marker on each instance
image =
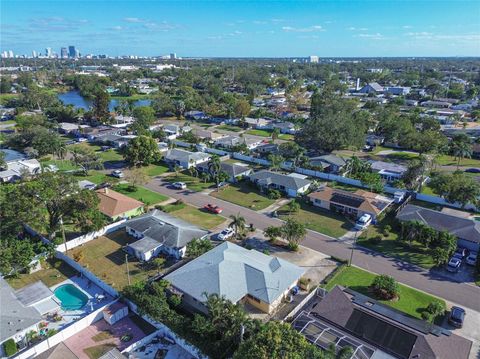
(10, 347)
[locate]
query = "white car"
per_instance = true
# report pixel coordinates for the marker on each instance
(179, 185)
(82, 139)
(472, 259)
(363, 222)
(454, 265)
(226, 234)
(117, 174)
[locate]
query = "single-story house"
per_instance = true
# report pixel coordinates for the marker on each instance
(158, 232)
(374, 140)
(235, 171)
(238, 274)
(397, 90)
(206, 134)
(184, 158)
(231, 141)
(438, 104)
(375, 330)
(68, 128)
(267, 148)
(372, 88)
(390, 172)
(466, 230)
(330, 163)
(14, 170)
(173, 131)
(196, 115)
(116, 205)
(257, 122)
(94, 134)
(354, 204)
(12, 155)
(285, 127)
(292, 184)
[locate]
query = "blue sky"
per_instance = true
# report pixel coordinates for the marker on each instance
(245, 28)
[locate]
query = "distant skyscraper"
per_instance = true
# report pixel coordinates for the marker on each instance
(48, 52)
(173, 56)
(72, 51)
(313, 59)
(34, 54)
(10, 54)
(63, 53)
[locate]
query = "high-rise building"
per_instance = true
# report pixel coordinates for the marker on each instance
(34, 54)
(72, 51)
(173, 56)
(48, 52)
(63, 53)
(10, 54)
(313, 59)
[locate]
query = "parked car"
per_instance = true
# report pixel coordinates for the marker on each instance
(226, 234)
(82, 139)
(179, 185)
(460, 253)
(213, 209)
(472, 259)
(473, 170)
(104, 185)
(454, 264)
(117, 174)
(223, 184)
(363, 222)
(456, 317)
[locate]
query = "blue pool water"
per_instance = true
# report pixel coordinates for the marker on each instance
(71, 297)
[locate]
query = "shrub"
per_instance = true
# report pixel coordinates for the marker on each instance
(273, 194)
(385, 287)
(293, 246)
(386, 230)
(77, 257)
(10, 347)
(434, 310)
(266, 251)
(375, 240)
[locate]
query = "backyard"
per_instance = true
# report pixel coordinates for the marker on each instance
(410, 300)
(140, 194)
(244, 195)
(105, 258)
(318, 219)
(392, 246)
(53, 271)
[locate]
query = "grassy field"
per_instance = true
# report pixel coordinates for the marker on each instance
(318, 219)
(53, 271)
(411, 301)
(393, 247)
(5, 97)
(63, 165)
(228, 128)
(193, 183)
(244, 195)
(105, 258)
(446, 160)
(96, 177)
(198, 217)
(141, 194)
(262, 133)
(155, 170)
(427, 190)
(111, 155)
(402, 156)
(286, 137)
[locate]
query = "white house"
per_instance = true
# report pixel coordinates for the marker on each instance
(292, 185)
(184, 158)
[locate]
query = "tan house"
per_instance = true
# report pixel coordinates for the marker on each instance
(353, 204)
(116, 205)
(238, 274)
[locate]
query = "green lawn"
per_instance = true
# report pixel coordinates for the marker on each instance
(198, 216)
(286, 137)
(318, 219)
(111, 155)
(155, 170)
(63, 165)
(427, 190)
(393, 247)
(8, 122)
(86, 145)
(446, 160)
(5, 97)
(95, 177)
(228, 128)
(402, 156)
(141, 194)
(243, 195)
(262, 133)
(411, 301)
(193, 183)
(53, 271)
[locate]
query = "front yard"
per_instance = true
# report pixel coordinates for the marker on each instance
(193, 183)
(318, 219)
(244, 195)
(196, 216)
(228, 128)
(446, 160)
(96, 177)
(141, 194)
(53, 271)
(155, 170)
(261, 133)
(411, 301)
(105, 258)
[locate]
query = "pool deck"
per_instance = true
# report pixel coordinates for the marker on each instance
(91, 291)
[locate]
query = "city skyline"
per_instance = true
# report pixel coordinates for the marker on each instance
(244, 29)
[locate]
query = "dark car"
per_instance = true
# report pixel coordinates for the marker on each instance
(461, 253)
(456, 317)
(473, 170)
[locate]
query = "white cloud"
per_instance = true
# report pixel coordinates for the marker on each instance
(303, 29)
(133, 19)
(407, 27)
(117, 28)
(352, 28)
(376, 36)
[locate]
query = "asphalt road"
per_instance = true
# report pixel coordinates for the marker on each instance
(460, 293)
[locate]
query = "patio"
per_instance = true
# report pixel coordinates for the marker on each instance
(158, 346)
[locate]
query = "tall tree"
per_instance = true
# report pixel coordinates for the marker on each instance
(275, 134)
(142, 151)
(456, 187)
(238, 222)
(136, 176)
(293, 232)
(275, 161)
(461, 147)
(144, 118)
(101, 101)
(86, 158)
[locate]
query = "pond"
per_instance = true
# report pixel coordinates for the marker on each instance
(78, 101)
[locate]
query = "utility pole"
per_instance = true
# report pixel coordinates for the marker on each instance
(128, 271)
(353, 247)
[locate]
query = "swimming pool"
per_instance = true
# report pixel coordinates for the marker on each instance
(71, 297)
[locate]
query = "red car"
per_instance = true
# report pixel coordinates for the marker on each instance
(211, 208)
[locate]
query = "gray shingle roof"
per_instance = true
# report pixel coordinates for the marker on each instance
(330, 159)
(185, 156)
(461, 227)
(165, 229)
(387, 166)
(33, 293)
(290, 182)
(14, 316)
(233, 271)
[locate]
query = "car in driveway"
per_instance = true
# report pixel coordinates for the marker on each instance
(460, 253)
(179, 185)
(456, 317)
(226, 234)
(363, 222)
(472, 259)
(212, 209)
(454, 264)
(117, 174)
(473, 170)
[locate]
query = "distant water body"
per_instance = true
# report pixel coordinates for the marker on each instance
(74, 98)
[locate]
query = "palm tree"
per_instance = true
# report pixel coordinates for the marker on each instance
(177, 170)
(461, 148)
(275, 161)
(61, 150)
(275, 134)
(238, 222)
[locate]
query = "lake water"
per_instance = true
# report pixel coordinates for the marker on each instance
(74, 98)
